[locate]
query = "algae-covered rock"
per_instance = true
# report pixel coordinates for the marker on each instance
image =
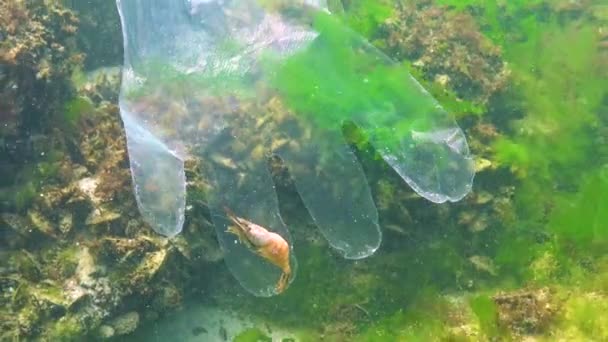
(37, 57)
(483, 264)
(27, 265)
(67, 328)
(482, 164)
(82, 263)
(527, 311)
(252, 334)
(17, 223)
(101, 215)
(125, 323)
(150, 265)
(584, 318)
(168, 297)
(447, 47)
(41, 223)
(99, 21)
(37, 51)
(545, 267)
(105, 332)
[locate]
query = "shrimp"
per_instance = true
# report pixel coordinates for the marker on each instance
(269, 245)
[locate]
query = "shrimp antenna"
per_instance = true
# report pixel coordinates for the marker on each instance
(228, 211)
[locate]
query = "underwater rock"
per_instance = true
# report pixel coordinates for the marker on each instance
(483, 263)
(27, 265)
(106, 332)
(38, 38)
(66, 223)
(482, 197)
(17, 223)
(88, 186)
(167, 298)
(100, 86)
(447, 47)
(35, 304)
(118, 248)
(474, 222)
(526, 311)
(99, 215)
(141, 257)
(98, 21)
(27, 322)
(182, 246)
(583, 317)
(148, 268)
(41, 223)
(462, 321)
(89, 182)
(482, 138)
(37, 57)
(86, 286)
(482, 164)
(205, 247)
(50, 292)
(75, 292)
(544, 267)
(125, 323)
(86, 267)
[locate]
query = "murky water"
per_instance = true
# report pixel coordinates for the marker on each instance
(302, 120)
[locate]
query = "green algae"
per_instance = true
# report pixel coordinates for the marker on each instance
(552, 143)
(75, 109)
(579, 220)
(500, 20)
(487, 313)
(448, 98)
(588, 316)
(366, 16)
(252, 335)
(552, 140)
(325, 85)
(27, 183)
(543, 152)
(557, 236)
(64, 262)
(551, 147)
(67, 329)
(27, 265)
(548, 145)
(425, 319)
(23, 196)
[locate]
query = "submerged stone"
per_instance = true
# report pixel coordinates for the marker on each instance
(125, 323)
(41, 223)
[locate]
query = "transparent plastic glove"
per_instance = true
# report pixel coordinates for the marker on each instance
(233, 82)
(340, 77)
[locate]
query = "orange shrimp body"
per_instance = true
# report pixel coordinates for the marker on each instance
(269, 245)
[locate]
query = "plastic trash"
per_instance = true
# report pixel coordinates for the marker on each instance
(234, 82)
